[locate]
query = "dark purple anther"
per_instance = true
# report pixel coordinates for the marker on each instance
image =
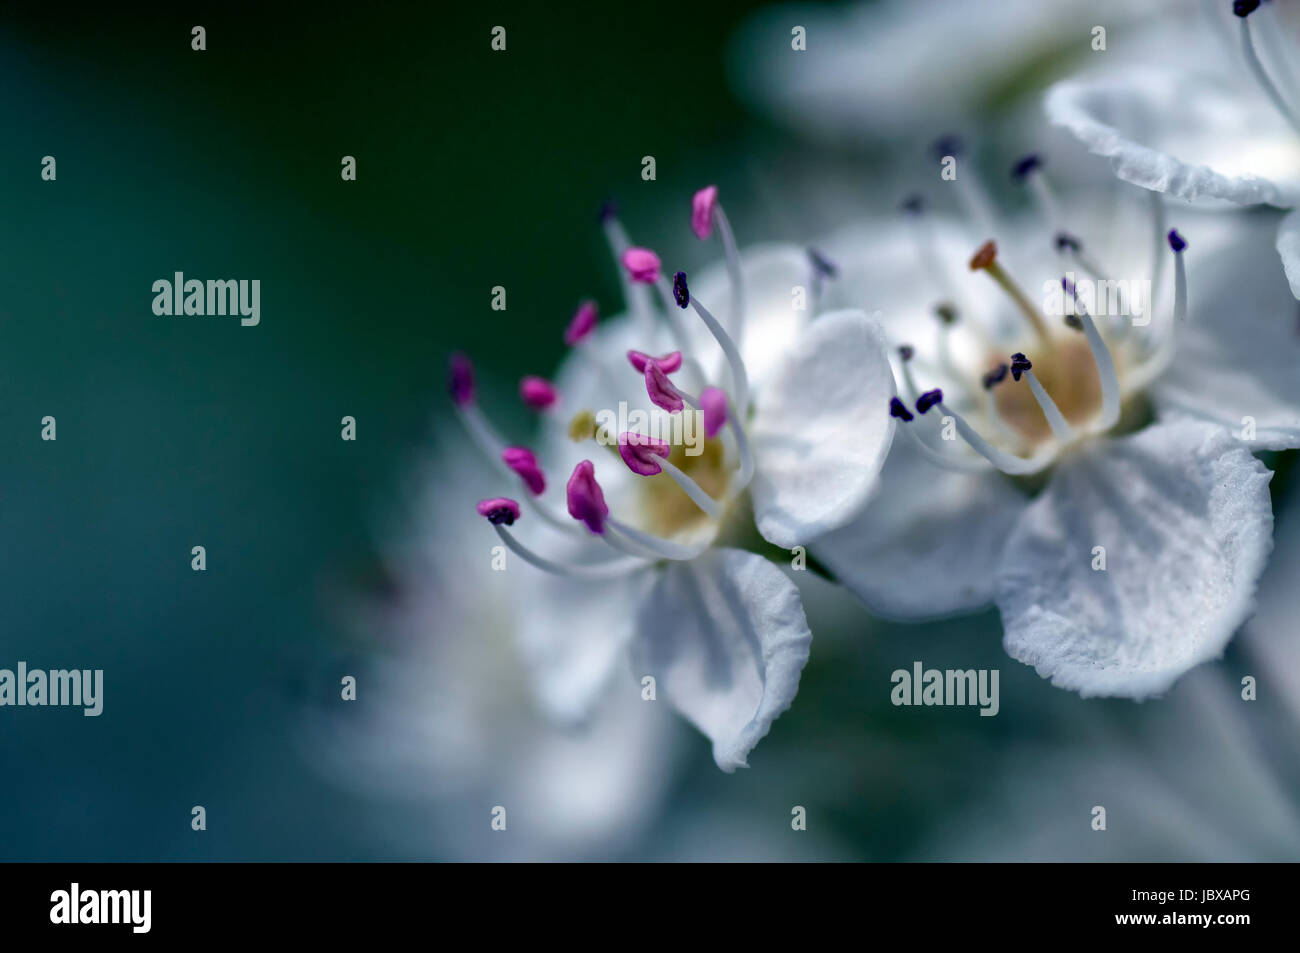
(1176, 241)
(680, 292)
(949, 145)
(928, 400)
(1019, 364)
(898, 409)
(460, 380)
(995, 376)
(499, 510)
(913, 204)
(823, 266)
(1020, 171)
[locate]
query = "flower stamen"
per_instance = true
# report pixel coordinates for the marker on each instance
(986, 259)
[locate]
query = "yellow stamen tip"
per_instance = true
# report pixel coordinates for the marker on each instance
(582, 426)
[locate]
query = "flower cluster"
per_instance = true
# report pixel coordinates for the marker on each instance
(1056, 410)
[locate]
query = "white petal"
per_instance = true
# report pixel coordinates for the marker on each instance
(1195, 137)
(821, 429)
(862, 80)
(1288, 246)
(725, 638)
(572, 635)
(1183, 513)
(1238, 355)
(771, 322)
(928, 543)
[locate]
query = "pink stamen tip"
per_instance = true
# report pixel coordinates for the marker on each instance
(642, 265)
(460, 380)
(639, 451)
(537, 392)
(522, 461)
(669, 363)
(581, 324)
(586, 501)
(702, 206)
(661, 390)
(498, 510)
(714, 404)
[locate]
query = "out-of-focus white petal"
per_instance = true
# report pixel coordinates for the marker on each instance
(1288, 246)
(726, 639)
(771, 273)
(860, 78)
(1183, 513)
(1238, 355)
(928, 543)
(572, 634)
(1199, 138)
(821, 429)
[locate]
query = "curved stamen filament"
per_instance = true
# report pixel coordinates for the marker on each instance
(746, 471)
(1157, 252)
(605, 570)
(1105, 372)
(692, 489)
(926, 246)
(1095, 272)
(564, 524)
(1055, 419)
(482, 434)
(986, 260)
(1163, 353)
(1007, 463)
(947, 461)
(733, 270)
(1261, 77)
(665, 549)
(636, 296)
(975, 200)
(1044, 198)
(739, 377)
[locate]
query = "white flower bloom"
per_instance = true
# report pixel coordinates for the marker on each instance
(1222, 127)
(898, 66)
(629, 559)
(1119, 554)
(444, 728)
(1233, 799)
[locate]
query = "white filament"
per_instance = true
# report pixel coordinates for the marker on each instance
(1007, 463)
(1055, 419)
(739, 376)
(664, 548)
(733, 270)
(692, 489)
(636, 296)
(606, 570)
(1261, 77)
(1105, 372)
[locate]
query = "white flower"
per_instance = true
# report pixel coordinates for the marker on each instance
(1206, 777)
(1120, 553)
(444, 728)
(1222, 128)
(637, 557)
(875, 70)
